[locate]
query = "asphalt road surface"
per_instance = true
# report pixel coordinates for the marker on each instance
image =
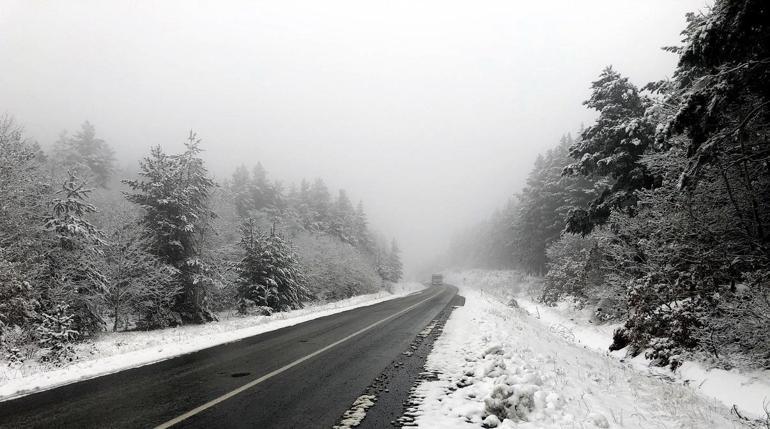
(302, 376)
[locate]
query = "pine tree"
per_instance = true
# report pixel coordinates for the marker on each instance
(175, 196)
(395, 267)
(545, 205)
(706, 229)
(72, 274)
(343, 219)
(269, 273)
(241, 182)
(723, 106)
(320, 206)
(363, 239)
(303, 206)
(84, 151)
(612, 148)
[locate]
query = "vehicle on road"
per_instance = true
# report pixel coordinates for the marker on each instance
(437, 280)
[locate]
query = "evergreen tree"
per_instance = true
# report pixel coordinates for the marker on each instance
(254, 193)
(361, 230)
(545, 204)
(394, 265)
(706, 230)
(175, 196)
(269, 274)
(241, 182)
(84, 151)
(73, 276)
(303, 207)
(320, 204)
(343, 219)
(723, 106)
(612, 148)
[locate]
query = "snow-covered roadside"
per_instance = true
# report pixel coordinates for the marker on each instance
(112, 352)
(749, 391)
(499, 367)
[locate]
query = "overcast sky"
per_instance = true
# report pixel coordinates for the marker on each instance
(432, 112)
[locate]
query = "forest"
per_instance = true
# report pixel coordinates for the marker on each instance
(87, 246)
(657, 215)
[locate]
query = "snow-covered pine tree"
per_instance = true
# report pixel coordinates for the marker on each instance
(73, 275)
(395, 267)
(87, 154)
(320, 206)
(56, 333)
(545, 204)
(704, 235)
(175, 194)
(343, 219)
(361, 230)
(240, 185)
(270, 275)
(612, 148)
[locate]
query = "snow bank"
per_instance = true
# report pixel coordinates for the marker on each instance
(499, 367)
(749, 391)
(113, 352)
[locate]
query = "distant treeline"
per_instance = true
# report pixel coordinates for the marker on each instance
(658, 214)
(168, 246)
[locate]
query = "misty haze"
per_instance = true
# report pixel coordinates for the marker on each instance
(438, 214)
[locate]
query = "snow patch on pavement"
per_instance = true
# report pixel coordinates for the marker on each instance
(497, 366)
(357, 412)
(113, 352)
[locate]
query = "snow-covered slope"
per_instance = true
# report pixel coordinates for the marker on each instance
(500, 367)
(747, 391)
(112, 352)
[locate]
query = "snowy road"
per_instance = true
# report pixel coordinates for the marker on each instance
(305, 375)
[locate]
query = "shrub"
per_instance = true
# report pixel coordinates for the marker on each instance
(56, 335)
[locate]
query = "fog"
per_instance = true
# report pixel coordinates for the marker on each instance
(430, 112)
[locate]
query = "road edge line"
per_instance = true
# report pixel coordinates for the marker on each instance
(284, 368)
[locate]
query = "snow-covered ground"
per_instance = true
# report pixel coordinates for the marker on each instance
(549, 367)
(501, 367)
(748, 391)
(112, 352)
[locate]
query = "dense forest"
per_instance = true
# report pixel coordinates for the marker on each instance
(86, 246)
(658, 214)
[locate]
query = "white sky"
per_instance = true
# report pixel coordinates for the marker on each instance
(432, 112)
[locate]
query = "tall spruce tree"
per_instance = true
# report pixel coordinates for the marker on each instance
(72, 275)
(545, 204)
(175, 194)
(612, 148)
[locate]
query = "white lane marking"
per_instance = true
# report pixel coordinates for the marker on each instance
(271, 374)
